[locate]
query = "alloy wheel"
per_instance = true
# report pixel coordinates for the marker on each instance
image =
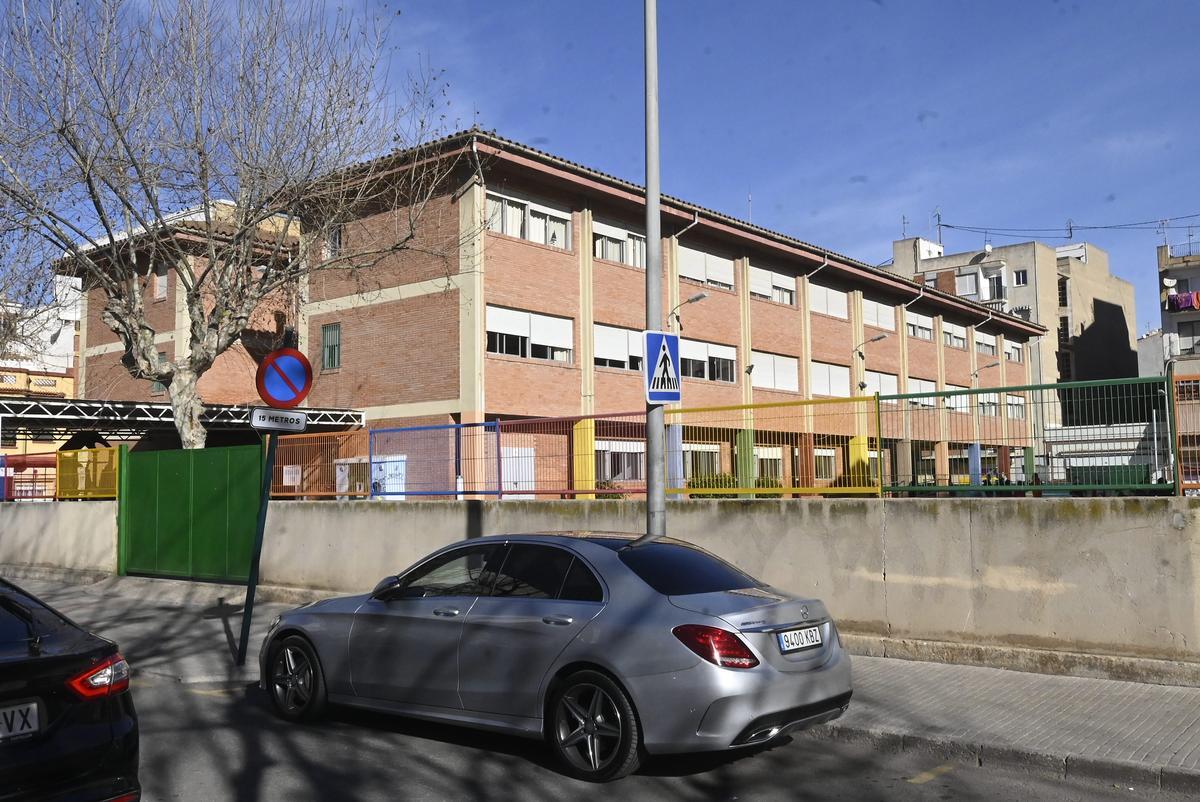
(292, 679)
(588, 727)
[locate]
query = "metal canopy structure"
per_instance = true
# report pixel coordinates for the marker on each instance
(26, 418)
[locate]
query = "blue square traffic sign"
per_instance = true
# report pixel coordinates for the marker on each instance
(660, 367)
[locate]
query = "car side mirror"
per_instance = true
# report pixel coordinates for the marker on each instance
(386, 587)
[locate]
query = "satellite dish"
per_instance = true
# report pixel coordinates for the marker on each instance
(1170, 282)
(987, 248)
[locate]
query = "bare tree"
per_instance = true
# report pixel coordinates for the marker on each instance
(221, 143)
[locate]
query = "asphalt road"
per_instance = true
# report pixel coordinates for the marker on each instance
(208, 734)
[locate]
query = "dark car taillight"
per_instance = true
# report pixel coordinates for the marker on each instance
(718, 646)
(109, 677)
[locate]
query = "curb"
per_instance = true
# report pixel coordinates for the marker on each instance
(1011, 756)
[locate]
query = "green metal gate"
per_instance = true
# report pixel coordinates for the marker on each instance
(189, 513)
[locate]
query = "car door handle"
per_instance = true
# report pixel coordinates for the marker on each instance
(448, 612)
(560, 620)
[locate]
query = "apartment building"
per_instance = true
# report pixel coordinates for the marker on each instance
(526, 299)
(1179, 299)
(1067, 289)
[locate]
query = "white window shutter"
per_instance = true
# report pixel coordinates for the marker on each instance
(760, 282)
(507, 321)
(722, 351)
(609, 231)
(691, 264)
(719, 269)
(553, 331)
(763, 374)
(839, 381)
(635, 344)
(838, 303)
(692, 349)
(611, 343)
(787, 376)
(818, 378)
(783, 282)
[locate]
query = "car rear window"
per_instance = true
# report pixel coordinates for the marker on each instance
(674, 569)
(18, 611)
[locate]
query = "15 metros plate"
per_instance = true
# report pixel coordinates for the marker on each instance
(796, 639)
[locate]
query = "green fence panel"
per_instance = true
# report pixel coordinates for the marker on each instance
(190, 514)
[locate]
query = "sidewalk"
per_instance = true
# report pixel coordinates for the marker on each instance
(1122, 732)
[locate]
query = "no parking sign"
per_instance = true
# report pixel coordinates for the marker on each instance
(284, 378)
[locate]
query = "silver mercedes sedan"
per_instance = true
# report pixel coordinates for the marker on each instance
(606, 649)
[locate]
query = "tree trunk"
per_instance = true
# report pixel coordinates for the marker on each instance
(187, 406)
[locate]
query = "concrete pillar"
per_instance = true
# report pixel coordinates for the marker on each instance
(480, 450)
(584, 432)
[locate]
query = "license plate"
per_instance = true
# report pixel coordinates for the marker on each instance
(18, 720)
(796, 639)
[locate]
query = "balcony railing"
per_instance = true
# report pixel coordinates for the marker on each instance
(1185, 249)
(996, 304)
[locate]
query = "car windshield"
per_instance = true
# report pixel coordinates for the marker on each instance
(677, 569)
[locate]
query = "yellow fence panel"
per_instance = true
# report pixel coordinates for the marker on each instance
(88, 473)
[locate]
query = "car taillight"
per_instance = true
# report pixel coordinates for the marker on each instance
(718, 646)
(106, 679)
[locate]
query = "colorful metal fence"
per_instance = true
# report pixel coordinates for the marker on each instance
(89, 473)
(328, 465)
(1073, 437)
(27, 476)
(1186, 397)
(1078, 437)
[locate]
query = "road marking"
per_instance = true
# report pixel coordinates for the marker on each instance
(213, 691)
(932, 774)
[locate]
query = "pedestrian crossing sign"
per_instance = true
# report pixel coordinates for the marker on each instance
(660, 367)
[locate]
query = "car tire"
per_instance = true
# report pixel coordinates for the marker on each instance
(592, 727)
(296, 683)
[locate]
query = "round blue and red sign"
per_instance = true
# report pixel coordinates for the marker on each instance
(284, 378)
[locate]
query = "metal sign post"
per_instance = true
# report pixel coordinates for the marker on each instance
(656, 497)
(284, 380)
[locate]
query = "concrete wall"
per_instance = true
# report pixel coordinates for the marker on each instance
(1112, 576)
(79, 535)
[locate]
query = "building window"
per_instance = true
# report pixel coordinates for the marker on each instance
(693, 368)
(774, 372)
(333, 242)
(828, 301)
(825, 464)
(1063, 295)
(701, 460)
(768, 462)
(1182, 285)
(985, 343)
(160, 282)
(614, 347)
(705, 268)
(1013, 352)
(620, 460)
(995, 286)
(881, 383)
(954, 335)
(529, 221)
(881, 316)
(331, 346)
(958, 403)
(8, 437)
(528, 334)
(923, 389)
(967, 286)
(1020, 278)
(1189, 337)
(829, 380)
(701, 360)
(617, 245)
(1064, 332)
(157, 387)
(770, 285)
(1064, 365)
(919, 326)
(989, 405)
(720, 369)
(1016, 407)
(930, 281)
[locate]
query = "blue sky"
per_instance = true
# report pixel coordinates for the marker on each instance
(840, 117)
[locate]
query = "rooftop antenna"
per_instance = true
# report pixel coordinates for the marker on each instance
(1070, 228)
(750, 205)
(903, 226)
(937, 213)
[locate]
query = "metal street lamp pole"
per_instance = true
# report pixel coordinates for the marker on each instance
(656, 499)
